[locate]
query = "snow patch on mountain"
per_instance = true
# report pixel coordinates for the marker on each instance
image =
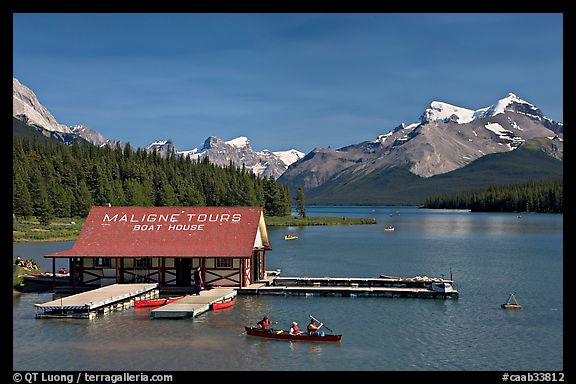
(239, 142)
(445, 112)
(290, 156)
(502, 104)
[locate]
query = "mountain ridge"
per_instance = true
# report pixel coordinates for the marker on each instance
(446, 138)
(27, 108)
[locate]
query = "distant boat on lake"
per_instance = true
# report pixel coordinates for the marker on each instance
(511, 303)
(290, 237)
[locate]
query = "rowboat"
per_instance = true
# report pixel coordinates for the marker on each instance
(157, 302)
(285, 335)
(290, 237)
(223, 304)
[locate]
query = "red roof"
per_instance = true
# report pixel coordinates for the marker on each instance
(170, 231)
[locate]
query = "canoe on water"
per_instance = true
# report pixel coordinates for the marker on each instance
(223, 304)
(157, 302)
(285, 335)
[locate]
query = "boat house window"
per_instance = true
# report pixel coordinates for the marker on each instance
(102, 262)
(223, 262)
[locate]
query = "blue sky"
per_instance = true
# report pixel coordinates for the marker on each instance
(284, 80)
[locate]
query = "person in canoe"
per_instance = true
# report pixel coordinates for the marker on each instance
(313, 328)
(294, 330)
(265, 323)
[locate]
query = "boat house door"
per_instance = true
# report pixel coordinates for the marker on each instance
(183, 272)
(255, 267)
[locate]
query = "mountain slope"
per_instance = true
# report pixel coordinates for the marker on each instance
(398, 186)
(33, 132)
(238, 151)
(27, 109)
(446, 138)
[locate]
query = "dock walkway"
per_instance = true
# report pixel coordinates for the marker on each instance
(193, 305)
(88, 304)
(385, 286)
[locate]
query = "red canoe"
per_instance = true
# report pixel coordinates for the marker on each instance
(285, 335)
(157, 302)
(223, 304)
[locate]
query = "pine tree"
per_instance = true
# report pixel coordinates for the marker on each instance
(300, 202)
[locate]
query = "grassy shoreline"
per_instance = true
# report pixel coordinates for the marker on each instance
(67, 229)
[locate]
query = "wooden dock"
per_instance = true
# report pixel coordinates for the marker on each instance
(415, 287)
(193, 305)
(87, 305)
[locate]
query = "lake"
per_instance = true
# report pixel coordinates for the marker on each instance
(489, 255)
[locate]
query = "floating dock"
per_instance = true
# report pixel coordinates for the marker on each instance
(385, 286)
(87, 305)
(193, 305)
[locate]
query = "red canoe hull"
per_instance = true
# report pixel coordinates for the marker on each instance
(285, 335)
(224, 304)
(156, 302)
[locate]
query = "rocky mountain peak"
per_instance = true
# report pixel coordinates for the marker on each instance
(27, 108)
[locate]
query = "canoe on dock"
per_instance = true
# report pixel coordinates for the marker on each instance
(156, 302)
(285, 335)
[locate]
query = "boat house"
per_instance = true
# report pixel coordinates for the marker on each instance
(165, 245)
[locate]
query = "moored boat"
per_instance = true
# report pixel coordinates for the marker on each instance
(157, 302)
(223, 304)
(285, 335)
(47, 278)
(511, 303)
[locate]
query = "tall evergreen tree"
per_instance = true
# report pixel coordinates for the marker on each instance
(300, 202)
(21, 200)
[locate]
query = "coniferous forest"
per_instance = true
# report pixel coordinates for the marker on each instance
(542, 196)
(51, 180)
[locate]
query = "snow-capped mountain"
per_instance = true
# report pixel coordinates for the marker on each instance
(238, 151)
(446, 138)
(27, 108)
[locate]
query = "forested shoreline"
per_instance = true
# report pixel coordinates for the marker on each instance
(53, 180)
(537, 196)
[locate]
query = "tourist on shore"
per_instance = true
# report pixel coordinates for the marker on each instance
(198, 284)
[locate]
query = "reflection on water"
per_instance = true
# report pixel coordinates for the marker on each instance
(489, 255)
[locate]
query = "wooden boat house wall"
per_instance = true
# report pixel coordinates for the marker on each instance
(166, 244)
